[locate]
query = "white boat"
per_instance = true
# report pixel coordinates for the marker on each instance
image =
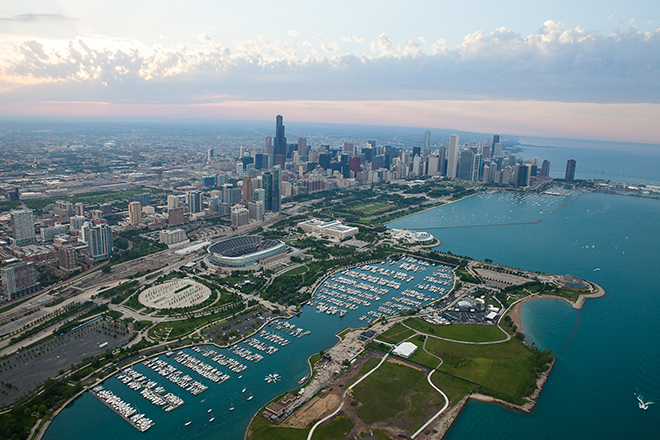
(243, 390)
(211, 419)
(231, 408)
(210, 409)
(240, 377)
(187, 423)
(250, 398)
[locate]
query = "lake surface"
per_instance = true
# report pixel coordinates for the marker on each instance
(87, 417)
(607, 352)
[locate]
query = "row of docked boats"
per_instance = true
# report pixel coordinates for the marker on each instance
(291, 329)
(175, 376)
(221, 359)
(123, 409)
(149, 389)
(259, 345)
(202, 368)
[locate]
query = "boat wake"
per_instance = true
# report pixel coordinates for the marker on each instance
(643, 405)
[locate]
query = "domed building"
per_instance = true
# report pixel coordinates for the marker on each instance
(572, 282)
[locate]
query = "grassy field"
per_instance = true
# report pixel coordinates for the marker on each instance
(262, 430)
(397, 393)
(335, 429)
(503, 370)
(454, 388)
(420, 356)
(458, 332)
(396, 334)
(373, 208)
(296, 271)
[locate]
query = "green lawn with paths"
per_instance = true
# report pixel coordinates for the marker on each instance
(459, 332)
(396, 334)
(504, 369)
(398, 393)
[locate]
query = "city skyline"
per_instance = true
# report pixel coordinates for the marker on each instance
(551, 70)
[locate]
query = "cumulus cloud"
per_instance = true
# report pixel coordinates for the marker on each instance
(292, 33)
(382, 45)
(554, 64)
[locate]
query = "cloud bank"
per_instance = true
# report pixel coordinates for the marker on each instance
(555, 64)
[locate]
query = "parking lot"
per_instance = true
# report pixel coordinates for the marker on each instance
(24, 370)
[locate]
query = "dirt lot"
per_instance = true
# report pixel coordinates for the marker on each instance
(312, 410)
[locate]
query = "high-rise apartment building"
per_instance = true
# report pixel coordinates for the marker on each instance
(545, 169)
(570, 170)
(267, 182)
(465, 166)
(452, 159)
(477, 161)
(99, 241)
(19, 279)
(209, 154)
(135, 213)
(302, 148)
(256, 210)
(22, 225)
(349, 148)
(175, 216)
(277, 189)
(194, 199)
(79, 209)
(247, 190)
(64, 208)
(239, 216)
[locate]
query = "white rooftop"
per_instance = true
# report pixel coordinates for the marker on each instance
(405, 349)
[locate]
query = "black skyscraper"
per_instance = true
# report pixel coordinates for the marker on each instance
(279, 149)
(570, 170)
(496, 140)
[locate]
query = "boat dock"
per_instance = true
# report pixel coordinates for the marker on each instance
(121, 408)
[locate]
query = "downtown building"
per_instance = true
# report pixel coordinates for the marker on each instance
(19, 279)
(99, 241)
(22, 225)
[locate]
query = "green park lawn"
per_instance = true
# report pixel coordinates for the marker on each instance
(398, 393)
(459, 332)
(396, 334)
(504, 370)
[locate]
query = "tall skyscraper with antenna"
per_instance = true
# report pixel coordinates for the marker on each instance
(280, 142)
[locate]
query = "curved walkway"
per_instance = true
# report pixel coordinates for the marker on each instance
(341, 405)
(425, 425)
(508, 337)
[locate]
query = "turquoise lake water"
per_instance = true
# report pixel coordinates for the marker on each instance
(607, 352)
(88, 418)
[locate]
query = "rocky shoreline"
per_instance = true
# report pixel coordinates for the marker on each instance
(446, 421)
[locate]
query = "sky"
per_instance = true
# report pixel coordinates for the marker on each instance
(587, 69)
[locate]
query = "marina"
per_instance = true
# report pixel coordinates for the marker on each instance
(138, 420)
